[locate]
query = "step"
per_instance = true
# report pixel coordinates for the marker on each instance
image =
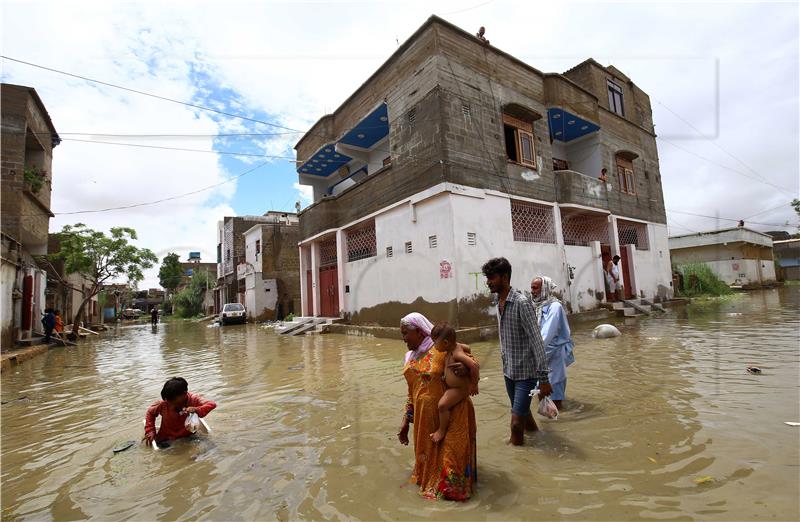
(655, 306)
(290, 327)
(641, 308)
(628, 312)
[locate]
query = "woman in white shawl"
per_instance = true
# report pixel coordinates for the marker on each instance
(553, 324)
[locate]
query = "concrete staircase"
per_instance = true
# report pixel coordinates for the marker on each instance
(636, 307)
(301, 325)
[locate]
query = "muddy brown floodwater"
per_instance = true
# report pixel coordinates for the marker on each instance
(662, 423)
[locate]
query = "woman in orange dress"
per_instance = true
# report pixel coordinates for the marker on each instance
(447, 469)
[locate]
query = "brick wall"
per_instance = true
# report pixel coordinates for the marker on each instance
(280, 260)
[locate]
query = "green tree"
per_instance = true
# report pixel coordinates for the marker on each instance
(170, 274)
(189, 301)
(101, 258)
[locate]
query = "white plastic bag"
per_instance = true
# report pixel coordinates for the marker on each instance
(547, 408)
(192, 422)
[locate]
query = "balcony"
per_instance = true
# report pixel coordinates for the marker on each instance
(579, 189)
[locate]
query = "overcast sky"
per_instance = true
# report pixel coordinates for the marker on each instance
(722, 78)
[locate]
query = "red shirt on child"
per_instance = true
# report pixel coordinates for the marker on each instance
(172, 422)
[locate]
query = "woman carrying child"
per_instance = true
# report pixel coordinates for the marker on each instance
(444, 469)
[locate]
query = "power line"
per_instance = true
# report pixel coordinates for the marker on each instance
(782, 205)
(157, 96)
(727, 219)
(162, 200)
(231, 153)
(784, 189)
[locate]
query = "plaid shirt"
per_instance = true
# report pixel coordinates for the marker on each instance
(521, 346)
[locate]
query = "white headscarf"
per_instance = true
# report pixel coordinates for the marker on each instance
(545, 296)
(417, 321)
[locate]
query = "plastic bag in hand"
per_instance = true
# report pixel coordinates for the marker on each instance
(192, 422)
(547, 408)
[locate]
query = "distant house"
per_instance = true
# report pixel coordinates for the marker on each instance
(271, 269)
(739, 256)
(29, 138)
(193, 266)
(787, 257)
(65, 291)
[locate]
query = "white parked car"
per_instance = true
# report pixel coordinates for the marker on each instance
(233, 313)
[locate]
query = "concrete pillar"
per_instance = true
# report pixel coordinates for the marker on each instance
(614, 236)
(633, 283)
(559, 233)
(315, 279)
(341, 266)
(303, 288)
(597, 270)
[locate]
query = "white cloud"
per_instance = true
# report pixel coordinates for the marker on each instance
(297, 61)
(305, 193)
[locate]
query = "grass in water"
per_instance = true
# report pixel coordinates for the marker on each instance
(700, 281)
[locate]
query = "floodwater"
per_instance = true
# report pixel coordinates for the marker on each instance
(662, 423)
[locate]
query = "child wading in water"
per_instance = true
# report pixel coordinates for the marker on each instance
(178, 403)
(457, 387)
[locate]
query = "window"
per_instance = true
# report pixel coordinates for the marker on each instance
(228, 255)
(389, 252)
(432, 241)
(408, 247)
(361, 242)
(625, 178)
(520, 147)
(472, 239)
(633, 233)
(532, 223)
(581, 229)
(327, 252)
(219, 253)
(615, 98)
(412, 117)
(258, 246)
(387, 161)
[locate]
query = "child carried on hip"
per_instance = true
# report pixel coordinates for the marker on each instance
(458, 387)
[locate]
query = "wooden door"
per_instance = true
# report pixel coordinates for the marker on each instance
(309, 294)
(626, 273)
(329, 291)
(605, 257)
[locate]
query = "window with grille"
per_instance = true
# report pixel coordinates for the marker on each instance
(633, 233)
(258, 246)
(389, 252)
(432, 241)
(519, 141)
(582, 229)
(472, 239)
(409, 249)
(327, 252)
(361, 242)
(532, 223)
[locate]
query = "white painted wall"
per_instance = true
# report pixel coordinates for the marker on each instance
(584, 155)
(451, 215)
(8, 277)
(261, 295)
(746, 273)
(653, 267)
(404, 277)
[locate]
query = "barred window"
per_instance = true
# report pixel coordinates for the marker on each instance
(532, 223)
(327, 252)
(433, 242)
(361, 242)
(633, 233)
(389, 252)
(409, 248)
(472, 239)
(581, 229)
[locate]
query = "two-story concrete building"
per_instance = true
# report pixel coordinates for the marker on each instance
(454, 152)
(271, 267)
(28, 138)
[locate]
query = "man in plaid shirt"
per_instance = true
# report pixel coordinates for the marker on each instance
(521, 347)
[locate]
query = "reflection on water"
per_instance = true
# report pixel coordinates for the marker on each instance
(648, 415)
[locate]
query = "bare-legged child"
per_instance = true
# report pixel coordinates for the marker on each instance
(457, 387)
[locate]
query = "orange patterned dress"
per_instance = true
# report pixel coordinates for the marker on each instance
(448, 469)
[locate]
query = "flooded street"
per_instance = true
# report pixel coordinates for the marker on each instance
(648, 416)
